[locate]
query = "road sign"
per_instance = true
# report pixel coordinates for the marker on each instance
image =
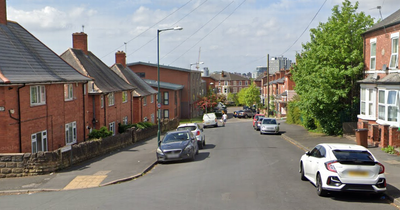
(159, 105)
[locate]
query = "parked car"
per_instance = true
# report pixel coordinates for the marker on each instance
(269, 125)
(210, 119)
(246, 113)
(255, 118)
(177, 145)
(236, 113)
(258, 123)
(342, 167)
(197, 132)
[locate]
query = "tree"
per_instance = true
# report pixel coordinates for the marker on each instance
(329, 66)
(249, 96)
(233, 97)
(208, 102)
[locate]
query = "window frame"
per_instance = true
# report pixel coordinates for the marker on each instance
(124, 96)
(111, 99)
(102, 101)
(394, 51)
(144, 100)
(372, 58)
(386, 107)
(111, 127)
(38, 97)
(166, 98)
(125, 120)
(70, 133)
(43, 140)
(166, 113)
(68, 92)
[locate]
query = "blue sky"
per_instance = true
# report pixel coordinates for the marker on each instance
(229, 35)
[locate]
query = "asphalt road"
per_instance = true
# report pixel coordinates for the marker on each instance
(239, 169)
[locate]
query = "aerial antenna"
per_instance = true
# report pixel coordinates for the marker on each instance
(126, 51)
(198, 60)
(83, 28)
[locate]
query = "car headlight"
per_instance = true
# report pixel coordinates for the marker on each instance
(159, 151)
(188, 148)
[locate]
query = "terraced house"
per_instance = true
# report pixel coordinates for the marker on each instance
(380, 89)
(110, 97)
(42, 98)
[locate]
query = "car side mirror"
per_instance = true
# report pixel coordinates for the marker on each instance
(308, 153)
(279, 123)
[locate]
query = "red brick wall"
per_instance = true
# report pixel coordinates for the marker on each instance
(3, 12)
(394, 137)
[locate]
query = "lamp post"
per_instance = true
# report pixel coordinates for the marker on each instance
(158, 79)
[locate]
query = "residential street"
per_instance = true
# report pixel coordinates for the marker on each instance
(238, 169)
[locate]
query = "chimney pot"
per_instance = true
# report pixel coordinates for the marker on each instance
(120, 57)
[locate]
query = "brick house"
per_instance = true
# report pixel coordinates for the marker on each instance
(380, 88)
(226, 82)
(281, 91)
(110, 97)
(42, 98)
(190, 79)
(170, 98)
(144, 103)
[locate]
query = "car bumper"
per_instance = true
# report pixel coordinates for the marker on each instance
(205, 124)
(334, 183)
(268, 130)
(162, 157)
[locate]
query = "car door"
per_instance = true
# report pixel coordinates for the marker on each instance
(312, 159)
(317, 159)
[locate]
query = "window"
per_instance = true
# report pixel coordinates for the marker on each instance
(234, 82)
(225, 82)
(68, 92)
(38, 95)
(235, 90)
(395, 51)
(111, 100)
(246, 83)
(141, 74)
(166, 98)
(70, 133)
(388, 103)
(373, 54)
(152, 99)
(84, 89)
(144, 100)
(152, 118)
(240, 83)
(102, 101)
(124, 96)
(367, 102)
(111, 127)
(125, 120)
(39, 142)
(166, 113)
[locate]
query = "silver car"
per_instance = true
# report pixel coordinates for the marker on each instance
(269, 125)
(197, 131)
(177, 145)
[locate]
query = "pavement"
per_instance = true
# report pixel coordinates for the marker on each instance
(134, 161)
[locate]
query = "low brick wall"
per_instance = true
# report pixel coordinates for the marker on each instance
(32, 164)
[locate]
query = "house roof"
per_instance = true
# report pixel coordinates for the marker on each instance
(161, 66)
(143, 89)
(259, 77)
(227, 76)
(393, 78)
(278, 81)
(164, 85)
(105, 79)
(391, 20)
(24, 59)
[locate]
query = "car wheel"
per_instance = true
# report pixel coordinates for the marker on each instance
(302, 172)
(194, 156)
(320, 191)
(204, 142)
(201, 145)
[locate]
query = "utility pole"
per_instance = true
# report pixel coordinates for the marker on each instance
(267, 85)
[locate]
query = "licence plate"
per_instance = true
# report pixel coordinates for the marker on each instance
(172, 155)
(358, 173)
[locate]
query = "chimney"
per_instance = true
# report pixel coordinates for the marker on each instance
(3, 12)
(120, 57)
(79, 41)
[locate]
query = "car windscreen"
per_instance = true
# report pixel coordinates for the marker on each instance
(269, 121)
(174, 137)
(353, 156)
(190, 128)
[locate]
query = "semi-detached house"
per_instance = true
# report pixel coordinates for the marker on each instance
(144, 97)
(380, 88)
(110, 97)
(42, 98)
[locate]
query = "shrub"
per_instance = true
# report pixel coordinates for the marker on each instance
(389, 149)
(101, 133)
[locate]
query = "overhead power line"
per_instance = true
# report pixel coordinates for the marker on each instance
(148, 28)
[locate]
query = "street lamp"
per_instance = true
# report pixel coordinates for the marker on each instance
(158, 78)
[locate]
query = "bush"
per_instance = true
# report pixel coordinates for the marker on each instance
(389, 149)
(101, 133)
(293, 113)
(123, 128)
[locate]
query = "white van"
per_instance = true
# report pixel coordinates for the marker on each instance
(210, 119)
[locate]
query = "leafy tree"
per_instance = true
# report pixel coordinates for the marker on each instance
(208, 102)
(329, 66)
(249, 96)
(233, 97)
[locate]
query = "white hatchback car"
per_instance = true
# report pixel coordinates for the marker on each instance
(269, 125)
(342, 167)
(210, 119)
(197, 131)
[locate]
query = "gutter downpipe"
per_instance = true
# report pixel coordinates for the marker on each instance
(19, 118)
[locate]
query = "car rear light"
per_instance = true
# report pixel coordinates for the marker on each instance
(197, 133)
(330, 167)
(381, 169)
(381, 183)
